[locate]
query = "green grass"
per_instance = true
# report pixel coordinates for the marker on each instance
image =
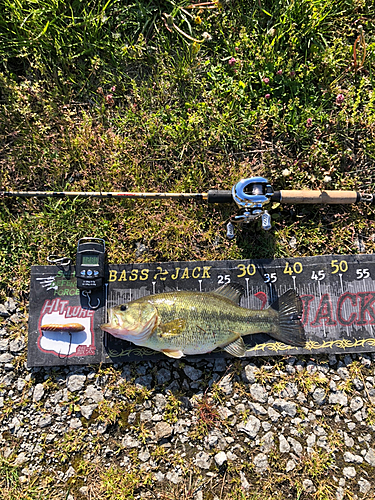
(117, 95)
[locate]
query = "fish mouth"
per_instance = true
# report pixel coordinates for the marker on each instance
(113, 323)
(104, 326)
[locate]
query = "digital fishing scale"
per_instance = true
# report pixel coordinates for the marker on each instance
(90, 263)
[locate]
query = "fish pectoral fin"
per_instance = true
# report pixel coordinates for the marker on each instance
(172, 328)
(173, 354)
(236, 348)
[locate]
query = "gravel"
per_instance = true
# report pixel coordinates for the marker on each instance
(253, 421)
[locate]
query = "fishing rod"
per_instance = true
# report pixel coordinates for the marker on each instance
(250, 195)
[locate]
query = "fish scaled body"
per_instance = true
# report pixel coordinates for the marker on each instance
(183, 323)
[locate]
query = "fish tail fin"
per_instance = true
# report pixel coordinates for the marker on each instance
(289, 308)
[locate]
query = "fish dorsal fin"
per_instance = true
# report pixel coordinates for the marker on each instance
(231, 291)
(236, 348)
(172, 328)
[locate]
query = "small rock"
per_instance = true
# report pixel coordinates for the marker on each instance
(340, 493)
(310, 441)
(215, 439)
(308, 486)
(290, 465)
(160, 402)
(355, 459)
(181, 426)
(21, 384)
(174, 477)
(284, 446)
(267, 442)
(220, 458)
(240, 408)
(6, 358)
(140, 250)
(358, 384)
(45, 421)
(248, 374)
(38, 392)
(4, 344)
(338, 398)
(319, 395)
(251, 427)
(10, 305)
(356, 403)
(58, 396)
(145, 416)
(343, 373)
(130, 442)
(84, 491)
(87, 410)
(3, 311)
(21, 459)
(192, 373)
(203, 460)
(349, 441)
(364, 486)
(285, 407)
(17, 345)
(257, 408)
(50, 438)
(290, 391)
(273, 414)
(224, 412)
(75, 382)
(349, 472)
(266, 426)
(96, 395)
(365, 360)
(159, 476)
(163, 376)
(75, 423)
(226, 385)
(261, 462)
(244, 482)
(144, 455)
(162, 430)
(144, 381)
(220, 365)
(259, 393)
(370, 457)
(296, 445)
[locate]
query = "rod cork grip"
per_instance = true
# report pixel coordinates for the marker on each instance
(318, 197)
(218, 196)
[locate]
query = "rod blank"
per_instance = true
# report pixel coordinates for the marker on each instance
(95, 194)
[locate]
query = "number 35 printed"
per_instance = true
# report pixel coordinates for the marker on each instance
(270, 278)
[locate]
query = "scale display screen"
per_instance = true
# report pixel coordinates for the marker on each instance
(90, 259)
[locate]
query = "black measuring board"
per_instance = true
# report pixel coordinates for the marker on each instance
(337, 293)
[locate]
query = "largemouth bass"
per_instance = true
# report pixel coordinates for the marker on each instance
(180, 323)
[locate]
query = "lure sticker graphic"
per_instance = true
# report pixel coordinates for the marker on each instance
(66, 330)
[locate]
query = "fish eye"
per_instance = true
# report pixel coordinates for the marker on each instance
(123, 307)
